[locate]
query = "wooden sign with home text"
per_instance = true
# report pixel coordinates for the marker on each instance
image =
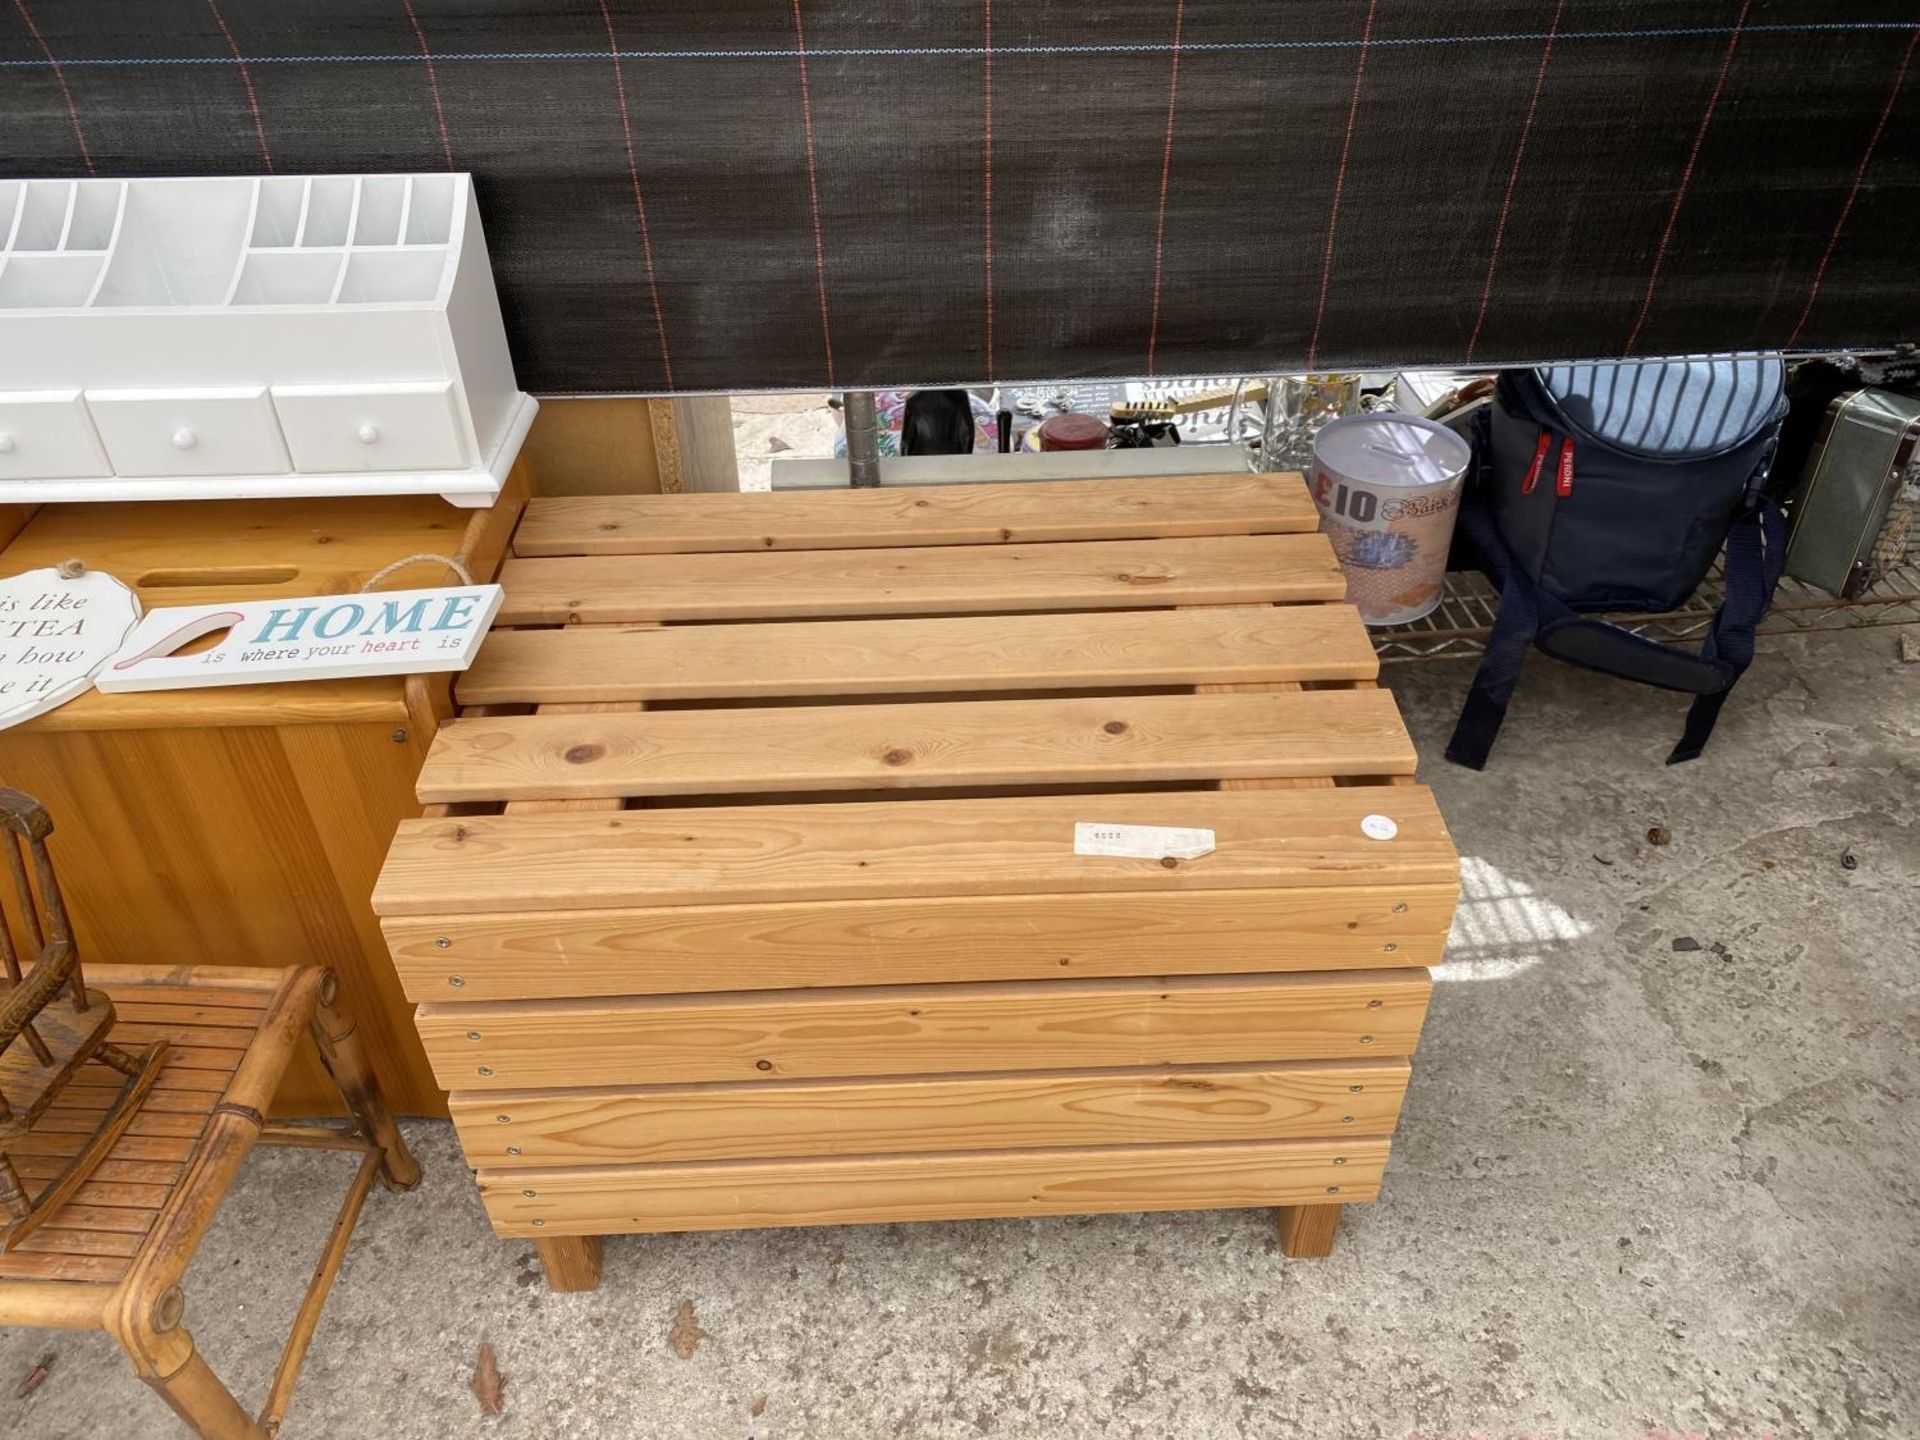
(326, 637)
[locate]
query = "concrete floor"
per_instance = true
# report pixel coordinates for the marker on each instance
(1641, 1189)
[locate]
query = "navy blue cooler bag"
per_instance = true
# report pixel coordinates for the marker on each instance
(1600, 488)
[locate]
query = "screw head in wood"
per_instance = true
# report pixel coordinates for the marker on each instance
(539, 1223)
(531, 1194)
(513, 1149)
(1389, 947)
(1356, 1089)
(1338, 1160)
(457, 981)
(400, 737)
(441, 942)
(503, 1119)
(473, 1034)
(1366, 1039)
(1331, 1190)
(1400, 908)
(1346, 1119)
(1375, 1004)
(485, 1070)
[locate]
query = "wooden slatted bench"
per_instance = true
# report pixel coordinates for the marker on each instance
(750, 895)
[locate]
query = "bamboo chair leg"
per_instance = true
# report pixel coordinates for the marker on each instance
(338, 1042)
(571, 1262)
(196, 1395)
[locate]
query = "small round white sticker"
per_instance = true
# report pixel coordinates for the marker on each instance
(1379, 827)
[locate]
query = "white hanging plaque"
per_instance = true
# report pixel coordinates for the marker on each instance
(54, 633)
(325, 637)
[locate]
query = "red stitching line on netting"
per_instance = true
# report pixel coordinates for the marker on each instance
(987, 194)
(1859, 176)
(639, 199)
(1686, 175)
(246, 81)
(1513, 179)
(60, 78)
(813, 192)
(433, 82)
(1166, 172)
(1340, 185)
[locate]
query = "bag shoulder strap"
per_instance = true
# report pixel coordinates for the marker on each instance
(1516, 624)
(1755, 554)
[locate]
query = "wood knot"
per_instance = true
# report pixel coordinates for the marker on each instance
(919, 504)
(581, 754)
(609, 524)
(763, 1064)
(1169, 862)
(897, 757)
(1006, 534)
(459, 833)
(767, 540)
(1115, 727)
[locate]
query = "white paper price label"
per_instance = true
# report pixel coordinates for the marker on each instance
(1141, 842)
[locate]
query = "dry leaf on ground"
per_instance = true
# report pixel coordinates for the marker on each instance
(685, 1334)
(488, 1383)
(758, 1408)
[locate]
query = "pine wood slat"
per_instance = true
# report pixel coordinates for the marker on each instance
(596, 1200)
(1230, 504)
(925, 1029)
(748, 854)
(1131, 739)
(1095, 574)
(696, 948)
(1014, 1110)
(1093, 650)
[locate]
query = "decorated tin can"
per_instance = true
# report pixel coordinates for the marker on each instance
(1388, 490)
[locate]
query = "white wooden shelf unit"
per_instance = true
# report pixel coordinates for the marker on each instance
(206, 338)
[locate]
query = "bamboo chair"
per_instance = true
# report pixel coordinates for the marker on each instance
(107, 1250)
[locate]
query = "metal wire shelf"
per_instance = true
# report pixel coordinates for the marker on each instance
(1458, 628)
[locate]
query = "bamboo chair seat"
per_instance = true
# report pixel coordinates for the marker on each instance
(97, 1234)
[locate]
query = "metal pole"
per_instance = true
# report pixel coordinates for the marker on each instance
(863, 440)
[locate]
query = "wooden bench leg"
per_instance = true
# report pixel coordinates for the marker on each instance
(195, 1394)
(338, 1042)
(571, 1262)
(1306, 1231)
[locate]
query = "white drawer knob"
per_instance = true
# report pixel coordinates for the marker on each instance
(6, 443)
(368, 433)
(185, 439)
